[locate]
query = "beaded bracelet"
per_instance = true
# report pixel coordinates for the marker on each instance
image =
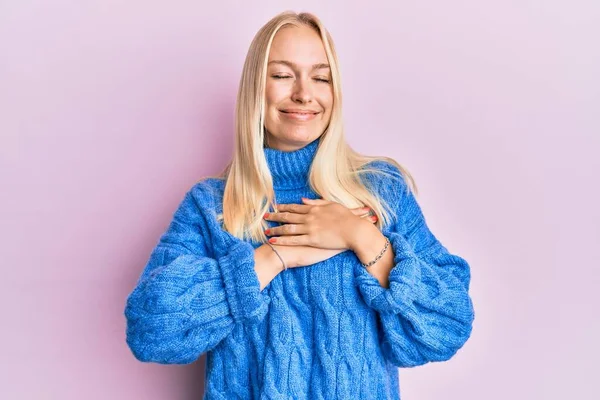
(281, 258)
(387, 243)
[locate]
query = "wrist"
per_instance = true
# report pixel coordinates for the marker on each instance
(272, 262)
(368, 242)
(370, 247)
(267, 265)
(362, 236)
(287, 253)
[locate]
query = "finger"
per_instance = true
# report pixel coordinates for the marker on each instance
(362, 211)
(299, 240)
(295, 208)
(287, 229)
(315, 201)
(285, 217)
(370, 218)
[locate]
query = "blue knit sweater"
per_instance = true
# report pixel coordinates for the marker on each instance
(324, 331)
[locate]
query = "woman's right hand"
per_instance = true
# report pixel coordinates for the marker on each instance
(300, 256)
(267, 265)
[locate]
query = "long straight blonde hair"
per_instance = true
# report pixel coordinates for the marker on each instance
(336, 167)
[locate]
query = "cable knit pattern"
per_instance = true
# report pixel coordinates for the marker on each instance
(324, 331)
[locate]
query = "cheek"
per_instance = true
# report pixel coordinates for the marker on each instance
(274, 94)
(326, 100)
(327, 103)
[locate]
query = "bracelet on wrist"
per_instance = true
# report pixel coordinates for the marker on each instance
(278, 255)
(387, 243)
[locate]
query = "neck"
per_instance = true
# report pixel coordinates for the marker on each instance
(290, 169)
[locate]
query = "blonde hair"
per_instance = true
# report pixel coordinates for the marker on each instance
(336, 167)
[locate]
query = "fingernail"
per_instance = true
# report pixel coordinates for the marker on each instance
(272, 240)
(267, 231)
(266, 215)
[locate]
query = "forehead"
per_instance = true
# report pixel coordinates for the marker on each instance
(300, 45)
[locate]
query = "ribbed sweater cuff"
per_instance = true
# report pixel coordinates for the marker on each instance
(403, 280)
(246, 302)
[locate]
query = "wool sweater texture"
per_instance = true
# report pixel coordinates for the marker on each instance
(324, 331)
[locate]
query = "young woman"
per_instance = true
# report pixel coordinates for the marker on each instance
(275, 268)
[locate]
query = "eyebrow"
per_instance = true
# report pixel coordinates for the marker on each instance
(293, 65)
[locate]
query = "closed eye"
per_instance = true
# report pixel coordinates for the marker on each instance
(286, 76)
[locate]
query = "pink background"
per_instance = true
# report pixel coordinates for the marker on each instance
(111, 110)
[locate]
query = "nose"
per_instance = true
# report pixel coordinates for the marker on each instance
(301, 93)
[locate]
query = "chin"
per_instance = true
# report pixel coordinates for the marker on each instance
(295, 139)
(300, 137)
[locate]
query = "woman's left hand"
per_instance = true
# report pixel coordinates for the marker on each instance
(318, 223)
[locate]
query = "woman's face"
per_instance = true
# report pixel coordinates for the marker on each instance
(299, 92)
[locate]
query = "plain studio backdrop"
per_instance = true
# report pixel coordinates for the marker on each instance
(112, 110)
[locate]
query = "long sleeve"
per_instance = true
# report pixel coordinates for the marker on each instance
(198, 283)
(426, 313)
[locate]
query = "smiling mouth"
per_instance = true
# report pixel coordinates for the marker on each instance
(298, 112)
(300, 116)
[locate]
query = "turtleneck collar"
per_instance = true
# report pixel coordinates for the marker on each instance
(290, 169)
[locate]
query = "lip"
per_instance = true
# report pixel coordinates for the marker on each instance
(299, 115)
(298, 111)
(302, 117)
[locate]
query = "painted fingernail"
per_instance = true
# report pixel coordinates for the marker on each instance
(272, 240)
(267, 231)
(266, 215)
